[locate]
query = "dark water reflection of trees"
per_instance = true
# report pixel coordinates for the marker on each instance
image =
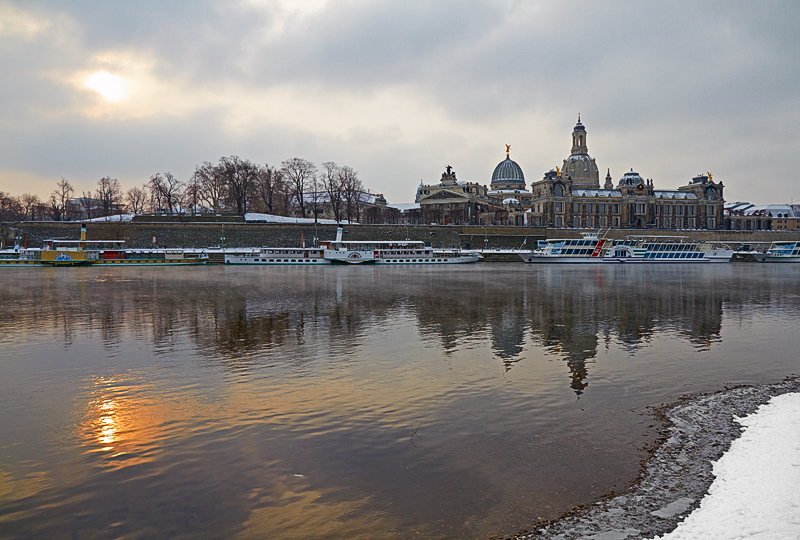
(240, 317)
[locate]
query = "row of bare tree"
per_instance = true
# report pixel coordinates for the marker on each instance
(231, 185)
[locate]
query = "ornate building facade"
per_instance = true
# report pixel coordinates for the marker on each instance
(452, 201)
(572, 197)
(504, 202)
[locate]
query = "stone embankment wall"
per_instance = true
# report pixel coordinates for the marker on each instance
(238, 234)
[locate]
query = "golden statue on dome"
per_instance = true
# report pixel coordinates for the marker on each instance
(508, 149)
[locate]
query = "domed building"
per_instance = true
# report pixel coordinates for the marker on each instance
(580, 167)
(572, 197)
(508, 189)
(508, 175)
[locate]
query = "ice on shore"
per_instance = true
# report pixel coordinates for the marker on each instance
(756, 492)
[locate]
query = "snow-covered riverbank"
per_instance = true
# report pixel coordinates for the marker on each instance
(754, 494)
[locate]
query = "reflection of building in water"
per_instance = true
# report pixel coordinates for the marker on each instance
(508, 334)
(570, 311)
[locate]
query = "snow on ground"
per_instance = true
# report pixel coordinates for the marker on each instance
(269, 218)
(756, 493)
(118, 217)
(755, 457)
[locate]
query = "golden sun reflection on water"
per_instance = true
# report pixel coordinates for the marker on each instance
(120, 422)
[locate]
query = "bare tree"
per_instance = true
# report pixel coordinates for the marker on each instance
(10, 208)
(212, 187)
(137, 198)
(165, 192)
(352, 192)
(59, 200)
(268, 187)
(30, 203)
(299, 173)
(241, 175)
(316, 195)
(88, 206)
(108, 195)
(331, 183)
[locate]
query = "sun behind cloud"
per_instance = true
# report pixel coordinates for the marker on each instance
(113, 88)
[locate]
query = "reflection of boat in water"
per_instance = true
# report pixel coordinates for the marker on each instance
(591, 249)
(782, 252)
(358, 252)
(112, 253)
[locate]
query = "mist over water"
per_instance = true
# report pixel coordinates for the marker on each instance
(354, 402)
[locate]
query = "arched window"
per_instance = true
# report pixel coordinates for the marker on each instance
(558, 190)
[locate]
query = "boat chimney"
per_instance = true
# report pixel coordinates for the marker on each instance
(339, 234)
(83, 235)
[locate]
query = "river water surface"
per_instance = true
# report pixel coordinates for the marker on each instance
(357, 402)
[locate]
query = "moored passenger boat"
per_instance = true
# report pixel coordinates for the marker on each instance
(20, 257)
(592, 249)
(393, 252)
(661, 249)
(782, 252)
(282, 256)
(588, 249)
(341, 251)
(112, 253)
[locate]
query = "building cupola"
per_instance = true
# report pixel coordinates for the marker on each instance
(580, 167)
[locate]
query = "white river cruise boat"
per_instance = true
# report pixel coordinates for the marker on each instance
(592, 249)
(783, 252)
(341, 251)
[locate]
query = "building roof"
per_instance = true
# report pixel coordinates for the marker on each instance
(508, 172)
(596, 193)
(674, 194)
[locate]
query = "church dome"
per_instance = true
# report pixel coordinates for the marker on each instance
(631, 178)
(508, 175)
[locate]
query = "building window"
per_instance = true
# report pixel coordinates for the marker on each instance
(690, 210)
(639, 208)
(615, 221)
(590, 208)
(690, 223)
(558, 221)
(602, 222)
(710, 210)
(615, 210)
(679, 210)
(576, 207)
(665, 210)
(558, 191)
(678, 222)
(576, 222)
(590, 222)
(711, 223)
(603, 208)
(559, 207)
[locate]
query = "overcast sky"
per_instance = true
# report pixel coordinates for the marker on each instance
(400, 89)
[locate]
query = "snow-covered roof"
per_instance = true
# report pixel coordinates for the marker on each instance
(269, 218)
(404, 206)
(738, 205)
(523, 192)
(674, 195)
(118, 217)
(770, 210)
(596, 193)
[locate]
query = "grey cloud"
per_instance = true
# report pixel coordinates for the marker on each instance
(661, 82)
